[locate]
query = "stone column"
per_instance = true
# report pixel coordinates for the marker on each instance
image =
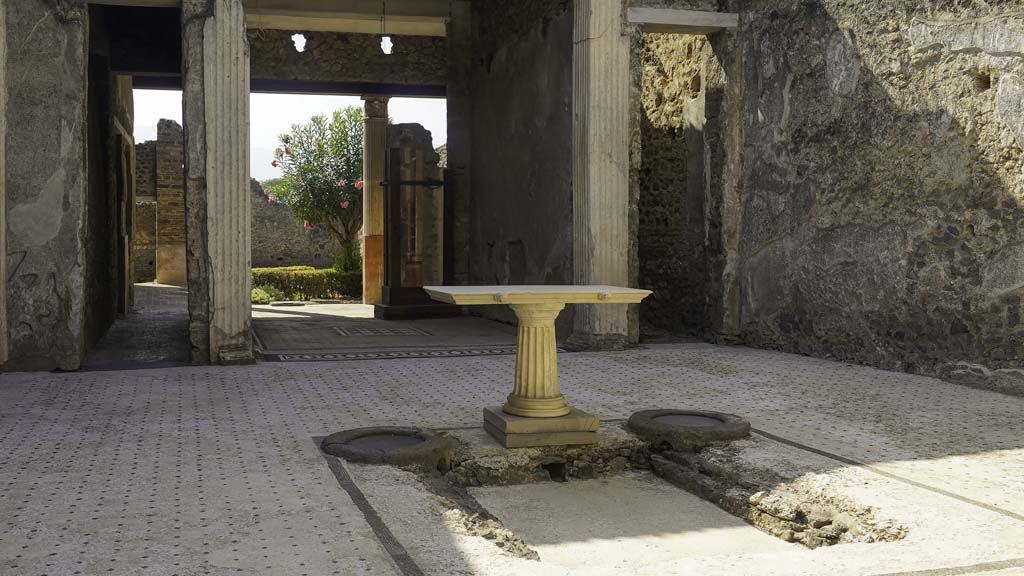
(375, 138)
(216, 114)
(601, 125)
(536, 392)
(459, 104)
(3, 191)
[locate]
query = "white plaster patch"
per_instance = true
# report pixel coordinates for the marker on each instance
(36, 223)
(997, 37)
(1005, 272)
(842, 64)
(1010, 105)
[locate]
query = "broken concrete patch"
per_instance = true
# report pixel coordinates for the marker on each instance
(779, 496)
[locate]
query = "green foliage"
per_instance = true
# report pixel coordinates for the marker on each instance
(271, 182)
(322, 163)
(308, 283)
(266, 294)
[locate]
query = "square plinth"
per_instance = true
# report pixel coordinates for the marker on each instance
(576, 427)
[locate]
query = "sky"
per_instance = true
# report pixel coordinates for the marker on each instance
(273, 114)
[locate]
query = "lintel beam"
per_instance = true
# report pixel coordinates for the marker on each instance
(257, 85)
(674, 21)
(403, 17)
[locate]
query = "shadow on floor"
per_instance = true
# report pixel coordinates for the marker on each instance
(153, 335)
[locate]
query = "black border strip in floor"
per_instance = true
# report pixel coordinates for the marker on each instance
(890, 475)
(971, 569)
(272, 356)
(394, 548)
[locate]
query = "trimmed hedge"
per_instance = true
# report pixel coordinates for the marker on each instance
(308, 283)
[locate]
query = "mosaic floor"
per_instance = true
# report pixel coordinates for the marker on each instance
(208, 470)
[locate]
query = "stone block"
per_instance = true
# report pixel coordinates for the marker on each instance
(576, 427)
(540, 438)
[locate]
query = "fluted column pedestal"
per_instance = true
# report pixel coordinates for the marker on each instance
(536, 392)
(536, 413)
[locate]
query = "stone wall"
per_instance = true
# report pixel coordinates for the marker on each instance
(46, 182)
(278, 239)
(145, 171)
(144, 242)
(353, 58)
(864, 176)
(671, 182)
(521, 135)
(170, 199)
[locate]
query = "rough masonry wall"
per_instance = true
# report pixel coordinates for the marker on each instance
(339, 57)
(145, 171)
(278, 239)
(46, 182)
(521, 135)
(882, 182)
(170, 200)
(99, 239)
(672, 259)
(144, 242)
(144, 233)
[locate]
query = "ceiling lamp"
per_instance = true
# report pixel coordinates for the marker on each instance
(386, 46)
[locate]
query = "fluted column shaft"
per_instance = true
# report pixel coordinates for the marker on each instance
(600, 196)
(218, 234)
(375, 134)
(536, 392)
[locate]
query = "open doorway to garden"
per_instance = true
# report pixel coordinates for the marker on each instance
(324, 208)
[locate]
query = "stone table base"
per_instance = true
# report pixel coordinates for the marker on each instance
(576, 427)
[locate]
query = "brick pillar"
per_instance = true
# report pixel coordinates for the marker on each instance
(600, 195)
(170, 200)
(216, 106)
(374, 146)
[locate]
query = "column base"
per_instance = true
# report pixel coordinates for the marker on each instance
(536, 407)
(575, 428)
(373, 268)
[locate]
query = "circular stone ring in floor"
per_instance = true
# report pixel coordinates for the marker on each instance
(394, 445)
(688, 430)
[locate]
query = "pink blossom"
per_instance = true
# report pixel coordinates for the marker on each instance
(270, 200)
(344, 204)
(359, 185)
(307, 225)
(274, 163)
(341, 183)
(266, 191)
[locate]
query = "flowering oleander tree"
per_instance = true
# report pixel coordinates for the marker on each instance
(322, 170)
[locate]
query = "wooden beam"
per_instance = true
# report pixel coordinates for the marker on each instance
(403, 17)
(672, 21)
(257, 85)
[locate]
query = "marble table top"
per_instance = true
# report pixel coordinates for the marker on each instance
(474, 295)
